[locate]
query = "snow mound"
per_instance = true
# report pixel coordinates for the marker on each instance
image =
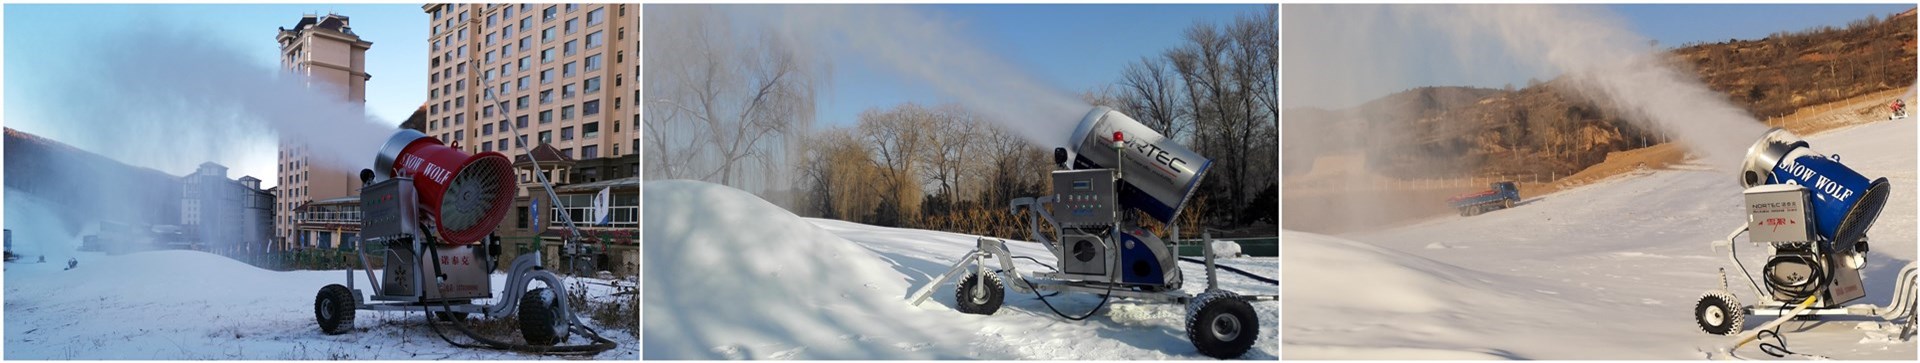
(731, 276)
(1395, 282)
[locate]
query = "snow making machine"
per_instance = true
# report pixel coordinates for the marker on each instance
(431, 210)
(1093, 230)
(1812, 213)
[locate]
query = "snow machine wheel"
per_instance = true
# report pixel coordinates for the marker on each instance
(333, 309)
(1221, 325)
(985, 301)
(540, 320)
(1506, 204)
(1719, 314)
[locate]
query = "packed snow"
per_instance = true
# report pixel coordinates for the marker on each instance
(1607, 271)
(180, 305)
(729, 275)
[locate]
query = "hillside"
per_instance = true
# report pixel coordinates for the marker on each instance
(1548, 128)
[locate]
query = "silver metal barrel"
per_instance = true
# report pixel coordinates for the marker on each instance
(1158, 174)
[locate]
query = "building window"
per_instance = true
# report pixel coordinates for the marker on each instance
(547, 35)
(486, 111)
(520, 121)
(526, 23)
(524, 83)
(567, 91)
(596, 39)
(526, 63)
(546, 137)
(486, 129)
(567, 69)
(566, 113)
(593, 63)
(546, 76)
(592, 84)
(546, 117)
(572, 7)
(589, 152)
(569, 153)
(590, 108)
(546, 56)
(570, 47)
(521, 218)
(526, 43)
(546, 97)
(486, 146)
(590, 130)
(550, 13)
(459, 135)
(520, 141)
(596, 16)
(521, 103)
(573, 26)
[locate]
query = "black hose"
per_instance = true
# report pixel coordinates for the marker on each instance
(1234, 270)
(600, 344)
(1056, 311)
(1777, 351)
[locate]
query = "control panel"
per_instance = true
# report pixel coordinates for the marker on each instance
(1084, 198)
(388, 210)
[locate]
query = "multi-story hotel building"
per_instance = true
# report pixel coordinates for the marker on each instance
(325, 50)
(564, 76)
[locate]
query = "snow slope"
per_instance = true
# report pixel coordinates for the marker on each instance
(731, 276)
(191, 305)
(1607, 271)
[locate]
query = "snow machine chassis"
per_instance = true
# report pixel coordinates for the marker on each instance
(459, 275)
(1219, 323)
(1720, 311)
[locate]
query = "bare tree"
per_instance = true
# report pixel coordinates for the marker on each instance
(898, 138)
(1151, 94)
(722, 106)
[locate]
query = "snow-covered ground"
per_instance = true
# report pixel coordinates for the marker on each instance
(1607, 271)
(173, 305)
(731, 276)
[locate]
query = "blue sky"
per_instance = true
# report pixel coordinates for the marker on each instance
(1674, 25)
(398, 59)
(1406, 60)
(38, 36)
(1073, 47)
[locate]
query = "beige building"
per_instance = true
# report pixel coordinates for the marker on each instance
(564, 76)
(560, 69)
(325, 50)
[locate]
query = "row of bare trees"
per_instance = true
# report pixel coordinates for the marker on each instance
(1215, 93)
(738, 110)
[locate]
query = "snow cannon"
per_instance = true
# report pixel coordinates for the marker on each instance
(1160, 174)
(1843, 203)
(465, 196)
(1812, 213)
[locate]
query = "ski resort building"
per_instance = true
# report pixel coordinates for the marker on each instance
(326, 51)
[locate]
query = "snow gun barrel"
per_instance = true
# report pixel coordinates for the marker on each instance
(1160, 174)
(1844, 202)
(465, 195)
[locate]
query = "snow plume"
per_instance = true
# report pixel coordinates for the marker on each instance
(1590, 46)
(167, 95)
(927, 48)
(1338, 56)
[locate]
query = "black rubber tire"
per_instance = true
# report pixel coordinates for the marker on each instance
(333, 308)
(986, 304)
(1221, 325)
(538, 316)
(1719, 313)
(1506, 204)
